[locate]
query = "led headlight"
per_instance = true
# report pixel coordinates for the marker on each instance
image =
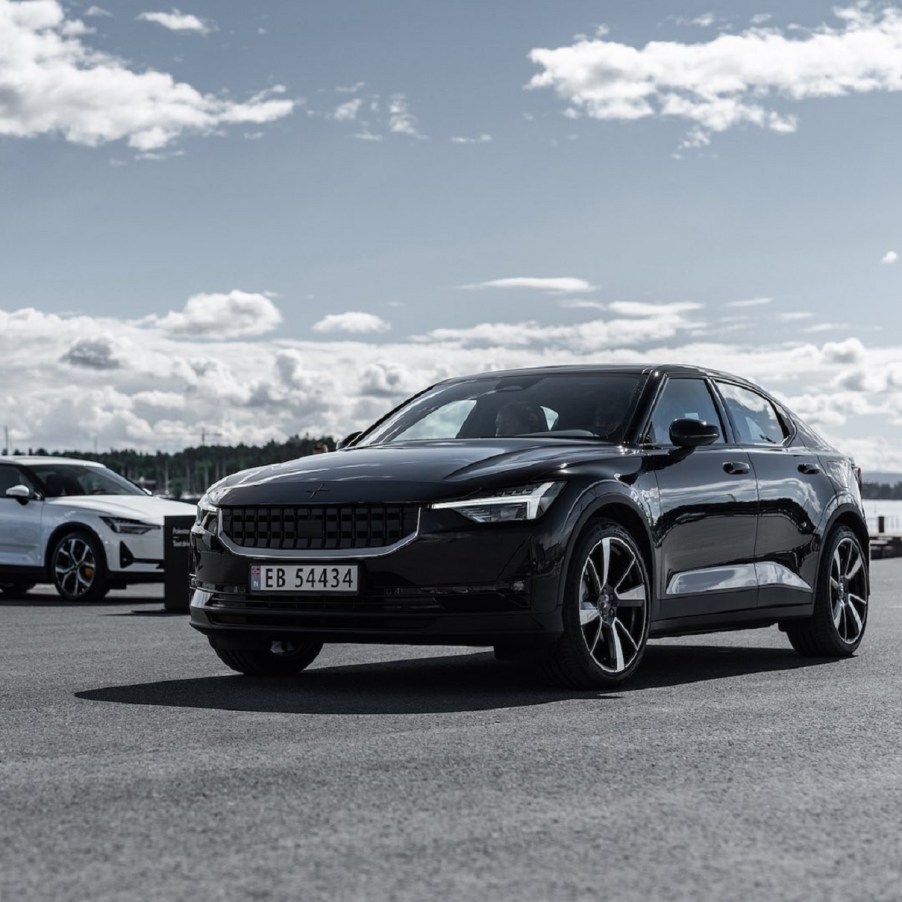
(128, 527)
(207, 507)
(524, 502)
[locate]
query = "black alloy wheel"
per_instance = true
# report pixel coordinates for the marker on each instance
(282, 658)
(836, 627)
(606, 605)
(78, 567)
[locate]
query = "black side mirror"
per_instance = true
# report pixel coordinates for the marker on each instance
(348, 440)
(21, 493)
(692, 433)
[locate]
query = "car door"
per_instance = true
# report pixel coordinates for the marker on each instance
(20, 524)
(705, 533)
(793, 494)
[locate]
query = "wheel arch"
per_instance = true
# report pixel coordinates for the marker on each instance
(850, 517)
(624, 511)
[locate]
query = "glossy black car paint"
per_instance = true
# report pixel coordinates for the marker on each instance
(707, 516)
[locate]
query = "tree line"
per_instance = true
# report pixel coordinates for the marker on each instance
(189, 472)
(883, 490)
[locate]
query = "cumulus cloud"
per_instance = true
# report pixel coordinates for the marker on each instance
(890, 257)
(252, 389)
(555, 285)
(94, 353)
(732, 79)
(177, 21)
(352, 321)
(232, 315)
(400, 120)
(97, 11)
(51, 82)
(346, 111)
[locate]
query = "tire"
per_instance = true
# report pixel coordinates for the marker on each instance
(606, 608)
(15, 587)
(281, 659)
(78, 567)
(836, 626)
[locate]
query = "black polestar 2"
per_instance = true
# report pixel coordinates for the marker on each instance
(562, 515)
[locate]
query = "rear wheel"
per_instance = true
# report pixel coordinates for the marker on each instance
(78, 567)
(282, 658)
(607, 598)
(836, 627)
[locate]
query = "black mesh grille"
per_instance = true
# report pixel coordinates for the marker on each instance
(319, 527)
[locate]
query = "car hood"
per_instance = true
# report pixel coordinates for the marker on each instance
(410, 471)
(148, 508)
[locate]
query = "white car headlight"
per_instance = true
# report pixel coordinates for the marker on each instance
(523, 502)
(129, 527)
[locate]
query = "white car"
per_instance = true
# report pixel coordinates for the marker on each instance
(80, 525)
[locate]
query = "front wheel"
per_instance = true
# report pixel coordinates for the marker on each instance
(606, 606)
(282, 658)
(78, 567)
(836, 626)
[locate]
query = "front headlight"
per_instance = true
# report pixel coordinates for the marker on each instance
(524, 502)
(128, 527)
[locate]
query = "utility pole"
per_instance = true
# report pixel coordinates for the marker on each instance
(205, 432)
(6, 442)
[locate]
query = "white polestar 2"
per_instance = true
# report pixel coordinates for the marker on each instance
(78, 525)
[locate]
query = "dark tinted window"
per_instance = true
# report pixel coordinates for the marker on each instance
(10, 476)
(755, 418)
(681, 399)
(560, 405)
(72, 479)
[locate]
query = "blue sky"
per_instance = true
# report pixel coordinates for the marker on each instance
(279, 217)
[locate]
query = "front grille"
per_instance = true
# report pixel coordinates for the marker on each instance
(319, 527)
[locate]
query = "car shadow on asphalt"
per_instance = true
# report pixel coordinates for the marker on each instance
(439, 685)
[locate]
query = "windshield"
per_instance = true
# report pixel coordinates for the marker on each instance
(57, 480)
(561, 405)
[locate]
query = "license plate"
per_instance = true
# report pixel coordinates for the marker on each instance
(313, 578)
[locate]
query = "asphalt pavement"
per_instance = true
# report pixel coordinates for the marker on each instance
(134, 766)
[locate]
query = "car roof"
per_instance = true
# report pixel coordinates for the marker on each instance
(29, 460)
(638, 369)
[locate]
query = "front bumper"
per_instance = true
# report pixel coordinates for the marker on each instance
(476, 585)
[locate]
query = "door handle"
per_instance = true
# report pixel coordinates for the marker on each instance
(809, 469)
(736, 468)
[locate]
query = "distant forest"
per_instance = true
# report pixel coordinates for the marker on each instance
(882, 490)
(189, 472)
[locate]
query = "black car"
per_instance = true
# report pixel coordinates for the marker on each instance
(562, 514)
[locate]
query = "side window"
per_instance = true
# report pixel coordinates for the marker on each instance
(10, 476)
(755, 417)
(682, 399)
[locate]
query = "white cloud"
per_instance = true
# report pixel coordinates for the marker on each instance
(733, 79)
(51, 82)
(163, 383)
(555, 285)
(347, 111)
(793, 316)
(750, 302)
(352, 321)
(400, 120)
(97, 11)
(232, 315)
(890, 257)
(480, 139)
(177, 21)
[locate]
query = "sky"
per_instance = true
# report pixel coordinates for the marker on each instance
(241, 222)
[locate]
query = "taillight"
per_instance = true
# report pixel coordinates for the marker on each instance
(857, 472)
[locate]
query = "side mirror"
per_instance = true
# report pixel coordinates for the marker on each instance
(693, 433)
(348, 440)
(21, 493)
